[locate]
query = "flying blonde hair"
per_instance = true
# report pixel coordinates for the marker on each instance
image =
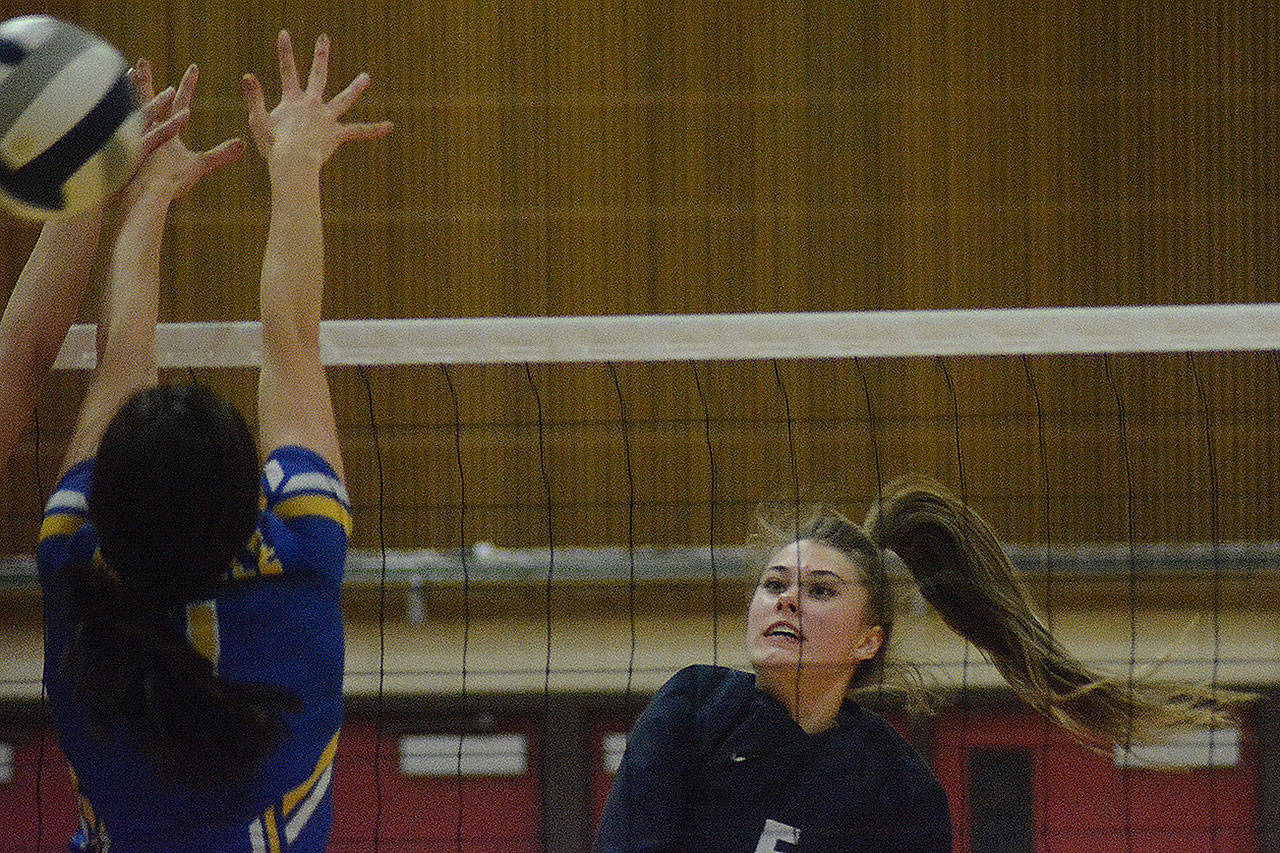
(962, 571)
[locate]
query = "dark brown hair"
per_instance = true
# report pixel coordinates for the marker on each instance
(174, 497)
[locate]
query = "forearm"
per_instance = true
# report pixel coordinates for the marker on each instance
(41, 308)
(294, 406)
(131, 305)
(127, 361)
(53, 282)
(292, 286)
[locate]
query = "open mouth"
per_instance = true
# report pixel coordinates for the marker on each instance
(783, 631)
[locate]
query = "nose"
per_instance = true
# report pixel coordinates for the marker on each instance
(786, 601)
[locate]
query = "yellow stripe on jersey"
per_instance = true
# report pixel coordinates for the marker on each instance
(264, 561)
(321, 505)
(268, 563)
(86, 811)
(202, 630)
(88, 819)
(60, 524)
(295, 796)
(273, 834)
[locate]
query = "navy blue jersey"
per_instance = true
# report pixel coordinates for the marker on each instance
(276, 619)
(714, 764)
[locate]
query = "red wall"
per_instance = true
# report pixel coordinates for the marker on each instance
(24, 819)
(600, 780)
(421, 815)
(1084, 802)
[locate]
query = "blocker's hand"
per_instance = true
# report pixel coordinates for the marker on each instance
(168, 166)
(304, 130)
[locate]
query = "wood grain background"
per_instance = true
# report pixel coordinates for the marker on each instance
(570, 157)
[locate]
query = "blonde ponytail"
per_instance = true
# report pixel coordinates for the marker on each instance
(964, 573)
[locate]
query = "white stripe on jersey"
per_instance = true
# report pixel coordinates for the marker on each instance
(314, 481)
(257, 837)
(274, 474)
(303, 813)
(67, 499)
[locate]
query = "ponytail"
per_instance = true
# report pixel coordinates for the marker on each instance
(964, 573)
(132, 666)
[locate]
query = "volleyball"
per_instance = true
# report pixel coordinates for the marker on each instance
(70, 124)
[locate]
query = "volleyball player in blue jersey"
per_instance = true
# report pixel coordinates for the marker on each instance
(194, 650)
(48, 293)
(784, 759)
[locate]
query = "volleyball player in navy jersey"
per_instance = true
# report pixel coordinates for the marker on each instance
(194, 651)
(785, 759)
(47, 296)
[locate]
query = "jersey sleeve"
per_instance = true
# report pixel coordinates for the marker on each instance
(646, 804)
(306, 520)
(923, 822)
(65, 513)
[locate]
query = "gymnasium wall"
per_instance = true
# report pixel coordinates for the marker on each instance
(573, 157)
(570, 157)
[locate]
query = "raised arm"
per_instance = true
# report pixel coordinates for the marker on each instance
(127, 361)
(297, 138)
(48, 293)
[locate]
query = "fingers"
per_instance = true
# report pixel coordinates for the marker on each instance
(199, 165)
(288, 68)
(221, 155)
(140, 75)
(161, 133)
(186, 88)
(343, 100)
(366, 130)
(308, 122)
(253, 98)
(158, 107)
(319, 67)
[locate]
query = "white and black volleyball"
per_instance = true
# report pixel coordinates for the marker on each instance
(70, 126)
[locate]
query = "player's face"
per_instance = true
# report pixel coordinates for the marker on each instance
(809, 609)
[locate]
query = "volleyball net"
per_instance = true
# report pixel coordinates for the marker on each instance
(550, 507)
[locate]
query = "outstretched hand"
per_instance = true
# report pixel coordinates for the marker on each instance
(166, 164)
(304, 129)
(160, 122)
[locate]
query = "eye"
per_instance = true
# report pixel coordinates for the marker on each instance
(821, 591)
(774, 586)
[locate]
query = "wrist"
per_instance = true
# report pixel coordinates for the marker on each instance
(142, 221)
(152, 199)
(84, 221)
(294, 172)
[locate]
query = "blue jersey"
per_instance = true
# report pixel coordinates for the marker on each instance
(715, 765)
(275, 620)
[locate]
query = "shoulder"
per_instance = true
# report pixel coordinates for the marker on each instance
(305, 524)
(68, 507)
(696, 693)
(903, 776)
(298, 482)
(701, 684)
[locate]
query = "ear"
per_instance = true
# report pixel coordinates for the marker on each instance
(870, 643)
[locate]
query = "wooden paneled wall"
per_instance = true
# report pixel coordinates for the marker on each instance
(572, 157)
